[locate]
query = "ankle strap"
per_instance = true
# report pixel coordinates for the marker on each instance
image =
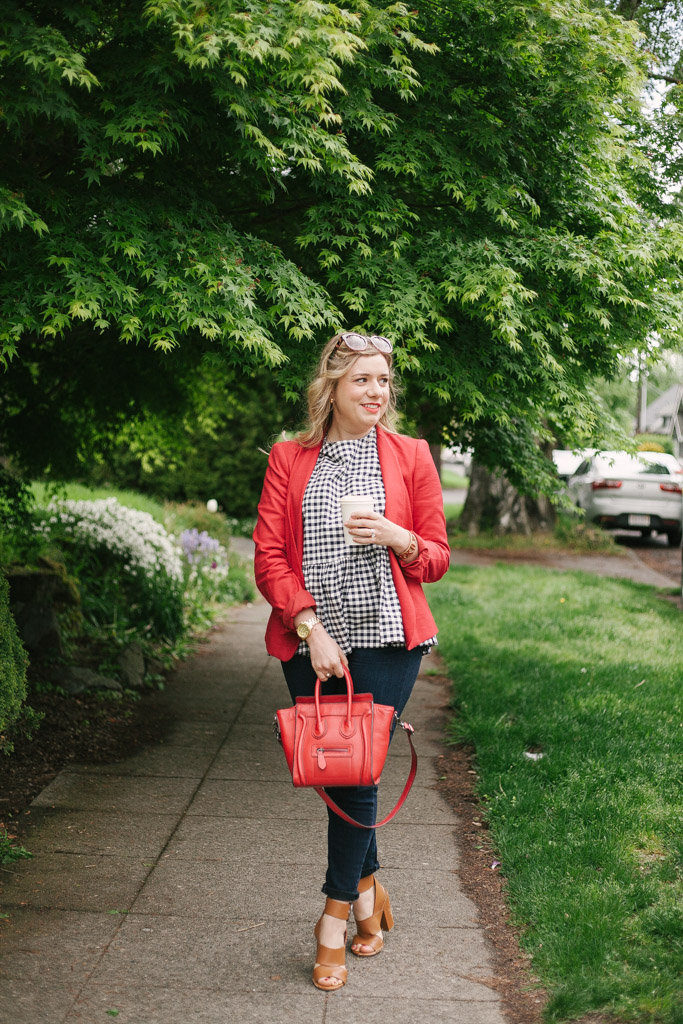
(337, 908)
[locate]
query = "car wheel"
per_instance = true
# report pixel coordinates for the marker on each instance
(675, 537)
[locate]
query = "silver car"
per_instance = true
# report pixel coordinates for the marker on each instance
(621, 491)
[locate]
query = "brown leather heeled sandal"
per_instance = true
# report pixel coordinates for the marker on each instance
(381, 917)
(330, 963)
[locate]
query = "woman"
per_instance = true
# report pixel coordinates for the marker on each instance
(363, 606)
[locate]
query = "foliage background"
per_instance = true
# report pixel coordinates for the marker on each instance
(13, 662)
(478, 180)
(215, 447)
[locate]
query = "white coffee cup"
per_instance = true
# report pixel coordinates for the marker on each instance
(351, 503)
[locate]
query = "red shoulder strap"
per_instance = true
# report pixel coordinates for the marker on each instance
(401, 800)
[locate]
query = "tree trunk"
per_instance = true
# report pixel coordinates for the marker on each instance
(493, 503)
(435, 449)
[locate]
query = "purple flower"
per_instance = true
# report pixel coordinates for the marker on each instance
(196, 546)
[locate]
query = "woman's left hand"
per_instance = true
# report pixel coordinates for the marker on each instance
(373, 528)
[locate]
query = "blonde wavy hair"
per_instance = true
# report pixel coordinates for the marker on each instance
(333, 364)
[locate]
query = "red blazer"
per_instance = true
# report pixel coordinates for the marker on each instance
(413, 500)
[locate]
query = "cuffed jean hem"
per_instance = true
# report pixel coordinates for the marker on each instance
(348, 896)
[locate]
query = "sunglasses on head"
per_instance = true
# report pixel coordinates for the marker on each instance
(359, 342)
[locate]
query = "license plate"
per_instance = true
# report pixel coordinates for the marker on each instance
(638, 520)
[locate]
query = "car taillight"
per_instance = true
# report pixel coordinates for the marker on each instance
(599, 484)
(673, 488)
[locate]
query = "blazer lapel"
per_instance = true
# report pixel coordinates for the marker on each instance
(302, 467)
(397, 508)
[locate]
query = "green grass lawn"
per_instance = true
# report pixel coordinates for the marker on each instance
(78, 492)
(569, 534)
(586, 671)
(451, 480)
(451, 510)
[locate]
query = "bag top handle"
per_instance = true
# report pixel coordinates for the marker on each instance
(349, 698)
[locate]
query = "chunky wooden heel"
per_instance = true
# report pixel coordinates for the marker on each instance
(330, 962)
(381, 918)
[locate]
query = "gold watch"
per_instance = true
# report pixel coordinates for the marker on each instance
(303, 630)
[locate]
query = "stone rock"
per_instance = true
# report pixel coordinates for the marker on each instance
(38, 627)
(76, 680)
(37, 594)
(132, 664)
(46, 583)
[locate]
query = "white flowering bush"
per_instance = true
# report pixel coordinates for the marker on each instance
(129, 567)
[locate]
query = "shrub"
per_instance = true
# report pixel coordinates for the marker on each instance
(210, 450)
(209, 577)
(654, 443)
(16, 500)
(18, 542)
(13, 663)
(580, 535)
(129, 568)
(182, 516)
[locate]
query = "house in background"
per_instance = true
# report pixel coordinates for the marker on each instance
(665, 416)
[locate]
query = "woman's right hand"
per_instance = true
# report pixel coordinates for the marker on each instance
(327, 657)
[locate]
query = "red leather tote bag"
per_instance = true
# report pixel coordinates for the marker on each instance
(340, 740)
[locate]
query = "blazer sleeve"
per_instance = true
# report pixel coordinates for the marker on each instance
(281, 584)
(429, 522)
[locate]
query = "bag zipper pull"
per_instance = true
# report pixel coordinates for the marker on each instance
(322, 763)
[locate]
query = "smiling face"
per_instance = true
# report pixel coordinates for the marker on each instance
(360, 398)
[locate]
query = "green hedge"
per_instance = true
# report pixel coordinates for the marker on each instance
(13, 662)
(216, 450)
(664, 442)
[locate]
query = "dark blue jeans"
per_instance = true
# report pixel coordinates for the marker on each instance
(389, 674)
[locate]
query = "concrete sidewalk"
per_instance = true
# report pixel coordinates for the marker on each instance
(180, 886)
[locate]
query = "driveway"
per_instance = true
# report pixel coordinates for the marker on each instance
(638, 560)
(655, 552)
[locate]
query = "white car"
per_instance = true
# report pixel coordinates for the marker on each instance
(457, 455)
(621, 491)
(567, 462)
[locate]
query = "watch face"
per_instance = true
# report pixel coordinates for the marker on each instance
(303, 629)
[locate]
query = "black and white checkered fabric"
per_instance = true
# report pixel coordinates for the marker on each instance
(353, 588)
